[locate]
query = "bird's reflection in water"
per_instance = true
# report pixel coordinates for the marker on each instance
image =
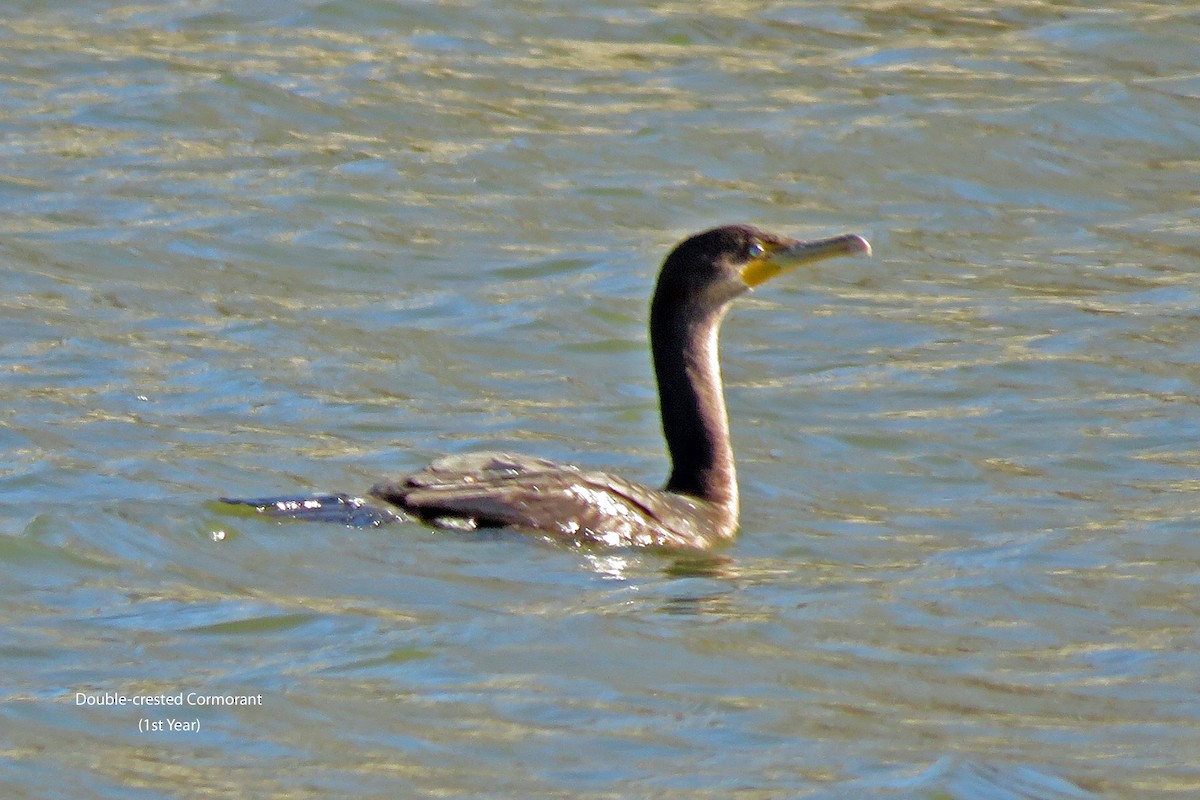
(697, 584)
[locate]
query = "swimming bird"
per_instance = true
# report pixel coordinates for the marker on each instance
(698, 506)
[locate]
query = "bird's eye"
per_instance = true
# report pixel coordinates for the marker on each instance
(755, 250)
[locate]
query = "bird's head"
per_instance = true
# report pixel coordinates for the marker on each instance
(713, 267)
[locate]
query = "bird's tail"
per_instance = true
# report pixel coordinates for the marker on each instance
(338, 508)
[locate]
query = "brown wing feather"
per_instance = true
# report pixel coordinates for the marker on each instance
(558, 500)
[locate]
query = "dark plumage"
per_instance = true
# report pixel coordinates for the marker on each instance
(698, 506)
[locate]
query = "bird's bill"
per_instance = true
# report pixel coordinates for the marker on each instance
(780, 258)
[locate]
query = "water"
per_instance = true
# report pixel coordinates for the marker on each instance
(253, 248)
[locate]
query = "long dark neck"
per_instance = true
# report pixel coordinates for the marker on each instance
(695, 423)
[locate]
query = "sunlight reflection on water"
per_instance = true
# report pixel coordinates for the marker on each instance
(253, 249)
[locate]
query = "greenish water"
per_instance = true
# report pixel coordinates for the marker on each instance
(251, 248)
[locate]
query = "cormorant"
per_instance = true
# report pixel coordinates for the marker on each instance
(698, 506)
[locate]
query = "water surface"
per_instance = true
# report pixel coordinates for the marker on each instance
(250, 248)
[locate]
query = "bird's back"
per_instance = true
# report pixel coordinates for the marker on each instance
(559, 501)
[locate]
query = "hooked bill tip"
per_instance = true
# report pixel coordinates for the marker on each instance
(860, 244)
